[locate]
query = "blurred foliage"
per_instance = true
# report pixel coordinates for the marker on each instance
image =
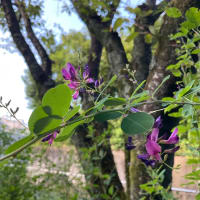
(187, 69)
(17, 182)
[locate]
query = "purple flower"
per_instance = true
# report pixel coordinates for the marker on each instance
(51, 137)
(173, 139)
(134, 110)
(129, 145)
(86, 75)
(145, 158)
(97, 83)
(173, 150)
(75, 95)
(152, 147)
(69, 73)
(158, 123)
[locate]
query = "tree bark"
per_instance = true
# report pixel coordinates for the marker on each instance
(46, 62)
(95, 161)
(42, 80)
(164, 56)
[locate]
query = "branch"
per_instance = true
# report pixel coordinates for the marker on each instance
(166, 55)
(109, 39)
(42, 80)
(46, 62)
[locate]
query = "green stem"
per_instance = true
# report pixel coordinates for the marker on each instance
(86, 117)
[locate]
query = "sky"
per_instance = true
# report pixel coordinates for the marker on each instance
(13, 65)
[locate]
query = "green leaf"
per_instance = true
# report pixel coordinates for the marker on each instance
(40, 122)
(176, 73)
(148, 38)
(67, 131)
(137, 123)
(187, 110)
(196, 51)
(145, 93)
(131, 36)
(187, 88)
(136, 10)
(107, 115)
(71, 113)
(193, 17)
(113, 79)
(170, 107)
(137, 88)
(163, 81)
(197, 197)
(115, 101)
(100, 103)
(49, 115)
(118, 23)
(173, 12)
(111, 190)
(19, 144)
(58, 99)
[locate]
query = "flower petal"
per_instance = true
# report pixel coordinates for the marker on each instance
(73, 85)
(134, 110)
(173, 139)
(153, 149)
(154, 134)
(173, 150)
(72, 71)
(75, 95)
(46, 138)
(145, 159)
(158, 123)
(65, 74)
(90, 80)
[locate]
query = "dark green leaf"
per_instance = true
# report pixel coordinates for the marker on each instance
(137, 123)
(107, 115)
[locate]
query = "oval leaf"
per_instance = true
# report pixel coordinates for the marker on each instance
(115, 101)
(137, 123)
(19, 144)
(58, 99)
(108, 115)
(67, 131)
(40, 121)
(71, 113)
(173, 12)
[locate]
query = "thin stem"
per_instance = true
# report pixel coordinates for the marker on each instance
(86, 117)
(13, 115)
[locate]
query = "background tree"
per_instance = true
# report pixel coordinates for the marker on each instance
(152, 53)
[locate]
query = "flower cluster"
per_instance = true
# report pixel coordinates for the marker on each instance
(152, 145)
(76, 80)
(50, 138)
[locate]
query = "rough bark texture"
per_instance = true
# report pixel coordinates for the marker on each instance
(42, 80)
(164, 56)
(83, 141)
(108, 38)
(46, 62)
